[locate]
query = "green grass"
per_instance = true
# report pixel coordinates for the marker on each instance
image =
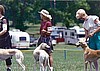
(74, 59)
(34, 29)
(73, 62)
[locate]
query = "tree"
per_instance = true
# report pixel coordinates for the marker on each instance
(20, 11)
(95, 7)
(72, 7)
(65, 11)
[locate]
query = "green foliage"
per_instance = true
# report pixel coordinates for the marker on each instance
(65, 11)
(22, 11)
(73, 6)
(95, 7)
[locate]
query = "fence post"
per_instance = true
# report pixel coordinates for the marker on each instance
(65, 54)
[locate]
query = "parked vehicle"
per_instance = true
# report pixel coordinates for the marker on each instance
(33, 41)
(19, 39)
(58, 33)
(72, 35)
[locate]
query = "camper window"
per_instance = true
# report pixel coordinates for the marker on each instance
(80, 35)
(22, 38)
(72, 34)
(65, 33)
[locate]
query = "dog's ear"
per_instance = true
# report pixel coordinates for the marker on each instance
(38, 53)
(47, 46)
(77, 44)
(42, 45)
(83, 44)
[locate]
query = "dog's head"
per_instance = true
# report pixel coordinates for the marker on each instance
(44, 46)
(81, 43)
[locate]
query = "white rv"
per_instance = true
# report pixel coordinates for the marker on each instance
(72, 35)
(57, 33)
(19, 39)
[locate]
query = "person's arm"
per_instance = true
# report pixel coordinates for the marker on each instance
(47, 32)
(4, 27)
(47, 28)
(86, 34)
(96, 21)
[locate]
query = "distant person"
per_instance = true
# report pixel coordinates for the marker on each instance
(92, 29)
(45, 31)
(5, 40)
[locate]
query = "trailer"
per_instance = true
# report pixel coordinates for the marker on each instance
(19, 39)
(58, 33)
(74, 34)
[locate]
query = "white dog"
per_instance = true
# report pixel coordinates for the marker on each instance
(6, 53)
(42, 57)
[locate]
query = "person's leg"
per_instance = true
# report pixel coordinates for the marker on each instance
(8, 46)
(52, 48)
(8, 64)
(50, 58)
(51, 44)
(51, 61)
(47, 40)
(39, 41)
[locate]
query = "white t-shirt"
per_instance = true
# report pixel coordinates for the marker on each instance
(89, 23)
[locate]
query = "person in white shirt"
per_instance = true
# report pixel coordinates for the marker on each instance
(92, 29)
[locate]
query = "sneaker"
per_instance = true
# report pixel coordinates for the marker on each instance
(51, 51)
(8, 69)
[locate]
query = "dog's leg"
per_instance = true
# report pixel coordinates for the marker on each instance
(45, 68)
(86, 62)
(45, 65)
(21, 64)
(51, 69)
(34, 65)
(96, 65)
(41, 60)
(90, 65)
(19, 59)
(41, 67)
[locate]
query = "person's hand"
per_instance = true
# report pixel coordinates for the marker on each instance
(91, 34)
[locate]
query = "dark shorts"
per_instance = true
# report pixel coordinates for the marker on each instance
(5, 43)
(48, 41)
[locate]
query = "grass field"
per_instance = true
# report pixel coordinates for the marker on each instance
(73, 62)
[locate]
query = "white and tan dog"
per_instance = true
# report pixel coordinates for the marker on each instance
(90, 55)
(6, 53)
(42, 57)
